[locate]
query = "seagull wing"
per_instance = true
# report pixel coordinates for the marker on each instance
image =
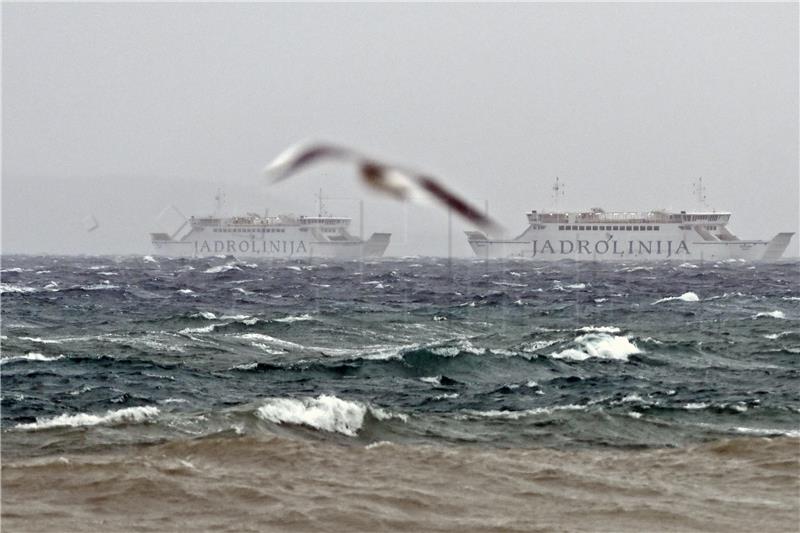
(457, 204)
(393, 180)
(297, 157)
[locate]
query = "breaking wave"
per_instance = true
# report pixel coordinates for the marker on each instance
(120, 416)
(685, 297)
(325, 413)
(600, 346)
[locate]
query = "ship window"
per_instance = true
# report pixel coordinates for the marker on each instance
(594, 228)
(649, 228)
(655, 228)
(561, 228)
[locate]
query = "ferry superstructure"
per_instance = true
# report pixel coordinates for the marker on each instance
(597, 235)
(281, 236)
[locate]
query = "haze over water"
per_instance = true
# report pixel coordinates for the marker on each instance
(163, 394)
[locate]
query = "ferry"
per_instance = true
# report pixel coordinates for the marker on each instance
(599, 235)
(281, 236)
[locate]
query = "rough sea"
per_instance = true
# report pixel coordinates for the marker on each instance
(416, 394)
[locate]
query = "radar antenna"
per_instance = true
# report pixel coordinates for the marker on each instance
(558, 191)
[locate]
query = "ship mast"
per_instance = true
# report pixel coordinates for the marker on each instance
(558, 191)
(219, 200)
(699, 191)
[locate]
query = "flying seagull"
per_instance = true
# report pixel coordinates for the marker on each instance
(401, 183)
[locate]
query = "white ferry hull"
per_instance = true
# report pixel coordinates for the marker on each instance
(277, 249)
(678, 245)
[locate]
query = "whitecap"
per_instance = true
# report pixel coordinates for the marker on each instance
(600, 346)
(11, 288)
(15, 269)
(298, 318)
(632, 398)
(771, 314)
(433, 380)
(208, 315)
(516, 415)
(271, 340)
(326, 413)
(40, 340)
(509, 284)
(383, 414)
(446, 396)
(768, 432)
(204, 329)
(129, 414)
(685, 297)
(221, 268)
(185, 291)
(693, 406)
(149, 259)
(30, 356)
(599, 329)
(379, 444)
(771, 336)
(687, 265)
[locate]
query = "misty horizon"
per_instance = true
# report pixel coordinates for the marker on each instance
(118, 111)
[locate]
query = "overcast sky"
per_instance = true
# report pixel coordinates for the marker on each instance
(117, 110)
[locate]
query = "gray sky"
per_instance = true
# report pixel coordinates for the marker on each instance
(118, 110)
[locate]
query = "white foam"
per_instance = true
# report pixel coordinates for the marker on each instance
(695, 406)
(221, 268)
(516, 415)
(40, 340)
(15, 269)
(185, 291)
(685, 297)
(634, 414)
(433, 380)
(600, 346)
(687, 265)
(149, 259)
(383, 414)
(379, 444)
(105, 285)
(298, 318)
(577, 286)
(535, 346)
(771, 314)
(771, 336)
(235, 317)
(767, 432)
(461, 346)
(208, 315)
(599, 329)
(326, 413)
(632, 398)
(265, 348)
(204, 329)
(446, 396)
(8, 287)
(509, 284)
(129, 414)
(270, 340)
(30, 356)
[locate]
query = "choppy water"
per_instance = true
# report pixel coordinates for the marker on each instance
(400, 394)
